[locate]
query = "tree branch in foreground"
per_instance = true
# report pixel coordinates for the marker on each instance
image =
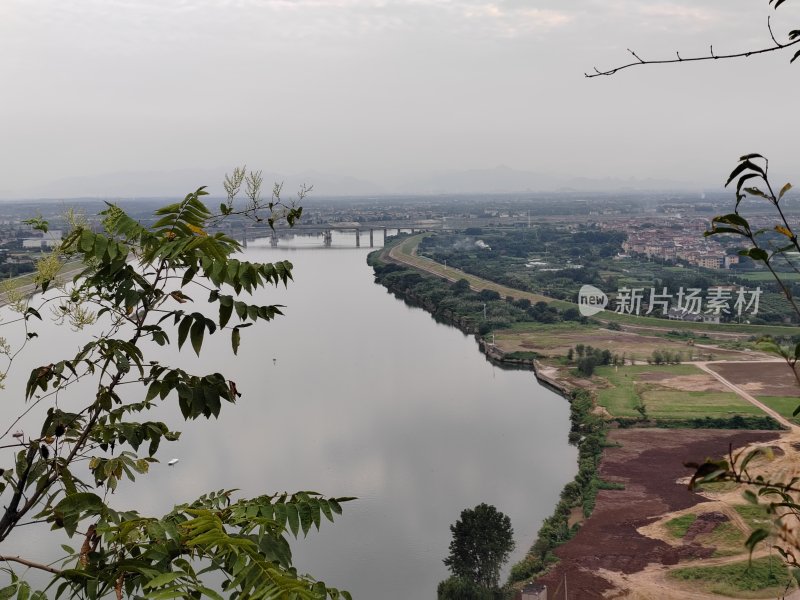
(794, 36)
(30, 563)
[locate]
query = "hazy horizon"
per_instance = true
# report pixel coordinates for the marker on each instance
(362, 97)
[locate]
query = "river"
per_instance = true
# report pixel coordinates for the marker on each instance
(354, 393)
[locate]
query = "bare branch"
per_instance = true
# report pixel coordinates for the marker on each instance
(712, 56)
(31, 564)
(772, 35)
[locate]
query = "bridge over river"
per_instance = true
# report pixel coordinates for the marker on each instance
(326, 231)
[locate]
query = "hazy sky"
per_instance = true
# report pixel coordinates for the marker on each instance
(389, 90)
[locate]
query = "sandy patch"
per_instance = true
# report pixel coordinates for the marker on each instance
(687, 383)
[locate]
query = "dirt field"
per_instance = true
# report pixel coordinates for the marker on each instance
(648, 463)
(760, 379)
(702, 382)
(557, 342)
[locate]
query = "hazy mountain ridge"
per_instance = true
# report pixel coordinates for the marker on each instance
(499, 179)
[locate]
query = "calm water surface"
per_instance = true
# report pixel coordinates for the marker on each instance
(354, 393)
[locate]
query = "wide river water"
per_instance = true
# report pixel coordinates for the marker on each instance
(354, 393)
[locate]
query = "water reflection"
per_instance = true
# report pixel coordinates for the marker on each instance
(355, 393)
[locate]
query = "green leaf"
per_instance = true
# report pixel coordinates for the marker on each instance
(198, 330)
(162, 579)
(8, 591)
(293, 518)
(326, 509)
(759, 535)
(754, 191)
(750, 456)
(305, 512)
(756, 254)
(100, 244)
(236, 338)
(153, 390)
(717, 230)
(732, 219)
(183, 330)
(743, 166)
(87, 240)
(225, 312)
(335, 506)
(24, 591)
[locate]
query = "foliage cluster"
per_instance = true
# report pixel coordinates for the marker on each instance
(461, 588)
(587, 358)
(482, 541)
(135, 291)
(665, 357)
(457, 304)
(757, 423)
(572, 258)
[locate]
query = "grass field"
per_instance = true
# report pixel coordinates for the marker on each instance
(555, 340)
(726, 538)
(755, 515)
(761, 578)
(678, 526)
(767, 276)
(785, 405)
(627, 390)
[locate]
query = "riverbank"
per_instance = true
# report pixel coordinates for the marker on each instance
(628, 492)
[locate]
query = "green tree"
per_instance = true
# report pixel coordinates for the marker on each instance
(461, 286)
(482, 541)
(458, 588)
(586, 365)
(136, 290)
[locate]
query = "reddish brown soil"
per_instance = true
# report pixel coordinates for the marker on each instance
(648, 463)
(705, 523)
(760, 378)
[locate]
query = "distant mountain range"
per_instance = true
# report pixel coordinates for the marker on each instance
(177, 183)
(505, 179)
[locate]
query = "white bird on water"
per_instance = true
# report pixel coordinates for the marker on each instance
(172, 462)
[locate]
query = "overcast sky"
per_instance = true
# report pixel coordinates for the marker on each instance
(389, 90)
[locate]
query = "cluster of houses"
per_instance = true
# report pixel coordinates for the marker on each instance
(676, 244)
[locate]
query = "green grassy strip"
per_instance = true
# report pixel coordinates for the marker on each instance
(763, 574)
(784, 405)
(627, 391)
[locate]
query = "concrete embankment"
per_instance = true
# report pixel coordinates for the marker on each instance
(546, 376)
